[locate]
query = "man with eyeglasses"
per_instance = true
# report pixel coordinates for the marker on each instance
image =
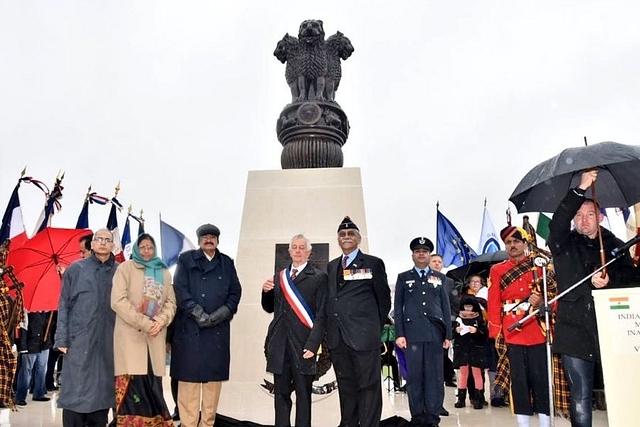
(84, 335)
(423, 329)
(358, 303)
(514, 290)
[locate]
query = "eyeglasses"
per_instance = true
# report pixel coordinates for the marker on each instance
(146, 248)
(103, 239)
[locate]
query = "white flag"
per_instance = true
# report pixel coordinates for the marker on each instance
(488, 237)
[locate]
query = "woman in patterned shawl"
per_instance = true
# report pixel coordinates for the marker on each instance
(145, 304)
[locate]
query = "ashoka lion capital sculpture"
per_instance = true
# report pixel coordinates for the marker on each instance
(313, 128)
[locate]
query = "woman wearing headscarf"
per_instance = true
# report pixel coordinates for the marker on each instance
(145, 303)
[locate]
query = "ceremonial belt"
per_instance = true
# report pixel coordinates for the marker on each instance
(295, 299)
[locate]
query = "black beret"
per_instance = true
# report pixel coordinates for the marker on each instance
(347, 224)
(205, 229)
(421, 243)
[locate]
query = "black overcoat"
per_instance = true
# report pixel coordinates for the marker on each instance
(286, 329)
(357, 309)
(203, 354)
(574, 257)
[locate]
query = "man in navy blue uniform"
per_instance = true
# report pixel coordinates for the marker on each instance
(423, 328)
(358, 303)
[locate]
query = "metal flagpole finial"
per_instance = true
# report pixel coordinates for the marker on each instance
(86, 196)
(141, 212)
(117, 189)
(130, 209)
(24, 171)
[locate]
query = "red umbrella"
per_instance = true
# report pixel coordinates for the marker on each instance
(35, 263)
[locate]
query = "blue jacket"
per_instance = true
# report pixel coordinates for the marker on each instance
(421, 307)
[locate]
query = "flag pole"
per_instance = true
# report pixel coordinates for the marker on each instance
(437, 210)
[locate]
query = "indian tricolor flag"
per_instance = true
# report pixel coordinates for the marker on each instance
(619, 303)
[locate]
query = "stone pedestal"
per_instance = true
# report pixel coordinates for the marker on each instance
(278, 205)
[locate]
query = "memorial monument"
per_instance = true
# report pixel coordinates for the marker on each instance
(310, 195)
(313, 128)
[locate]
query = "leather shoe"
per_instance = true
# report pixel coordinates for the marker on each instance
(450, 384)
(21, 403)
(41, 399)
(444, 412)
(498, 402)
(175, 416)
(53, 388)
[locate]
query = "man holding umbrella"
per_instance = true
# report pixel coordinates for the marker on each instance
(576, 254)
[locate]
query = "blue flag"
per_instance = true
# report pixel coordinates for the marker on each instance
(451, 245)
(83, 218)
(112, 225)
(172, 243)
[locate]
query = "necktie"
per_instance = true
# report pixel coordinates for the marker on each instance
(422, 274)
(345, 259)
(294, 273)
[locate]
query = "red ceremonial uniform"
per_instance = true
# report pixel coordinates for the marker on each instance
(500, 301)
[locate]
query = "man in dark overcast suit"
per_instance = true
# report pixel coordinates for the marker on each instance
(358, 303)
(296, 296)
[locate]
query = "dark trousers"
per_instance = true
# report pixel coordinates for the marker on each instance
(580, 377)
(55, 358)
(359, 385)
(289, 380)
(447, 367)
(529, 384)
(174, 394)
(92, 419)
(425, 381)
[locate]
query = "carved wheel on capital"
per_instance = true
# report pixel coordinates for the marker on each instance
(309, 113)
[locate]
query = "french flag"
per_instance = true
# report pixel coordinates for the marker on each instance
(112, 225)
(12, 223)
(126, 240)
(172, 243)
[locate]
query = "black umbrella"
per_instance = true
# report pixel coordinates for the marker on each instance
(618, 183)
(479, 266)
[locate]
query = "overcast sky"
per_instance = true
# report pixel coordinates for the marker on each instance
(177, 101)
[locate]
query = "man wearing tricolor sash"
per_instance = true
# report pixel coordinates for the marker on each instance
(296, 296)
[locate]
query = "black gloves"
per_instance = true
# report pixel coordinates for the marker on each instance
(220, 315)
(198, 314)
(205, 320)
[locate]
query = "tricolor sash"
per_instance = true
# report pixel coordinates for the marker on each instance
(295, 299)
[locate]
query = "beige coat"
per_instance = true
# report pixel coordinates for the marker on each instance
(131, 341)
